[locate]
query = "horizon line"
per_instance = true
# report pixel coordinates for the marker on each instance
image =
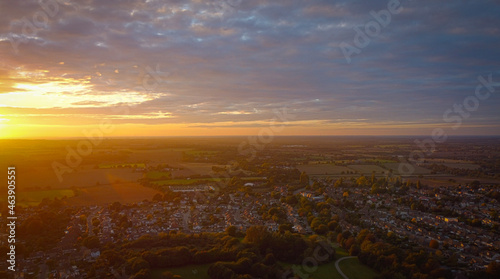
(239, 136)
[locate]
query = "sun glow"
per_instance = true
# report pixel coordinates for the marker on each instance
(65, 93)
(3, 127)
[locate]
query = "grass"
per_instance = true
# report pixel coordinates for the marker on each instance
(200, 152)
(353, 269)
(323, 169)
(463, 166)
(325, 271)
(33, 198)
(340, 252)
(109, 166)
(382, 161)
(187, 272)
(367, 169)
(252, 178)
(158, 174)
(129, 192)
(172, 182)
(417, 169)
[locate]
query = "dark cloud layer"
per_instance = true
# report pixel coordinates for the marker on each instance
(236, 60)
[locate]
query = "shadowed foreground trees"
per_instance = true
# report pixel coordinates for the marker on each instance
(256, 256)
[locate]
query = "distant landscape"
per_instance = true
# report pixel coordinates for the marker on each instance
(348, 193)
(240, 139)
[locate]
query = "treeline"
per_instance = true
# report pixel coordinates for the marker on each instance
(256, 256)
(459, 171)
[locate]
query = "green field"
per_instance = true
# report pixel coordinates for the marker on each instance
(124, 193)
(332, 169)
(33, 198)
(340, 252)
(418, 170)
(158, 175)
(353, 269)
(185, 181)
(187, 272)
(110, 166)
(200, 152)
(367, 169)
(325, 271)
(323, 169)
(463, 166)
(255, 178)
(171, 182)
(382, 161)
(189, 169)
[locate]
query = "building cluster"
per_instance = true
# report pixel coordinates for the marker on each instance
(455, 227)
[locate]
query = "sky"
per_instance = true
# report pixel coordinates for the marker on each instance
(248, 67)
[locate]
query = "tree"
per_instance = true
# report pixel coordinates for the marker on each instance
(257, 235)
(362, 181)
(332, 225)
(95, 222)
(142, 274)
(493, 269)
(434, 244)
(231, 231)
(136, 265)
(92, 242)
(285, 227)
(304, 179)
(349, 242)
(354, 250)
(321, 229)
(157, 197)
(269, 259)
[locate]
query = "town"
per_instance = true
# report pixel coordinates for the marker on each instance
(457, 223)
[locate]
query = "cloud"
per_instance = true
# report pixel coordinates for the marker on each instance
(221, 60)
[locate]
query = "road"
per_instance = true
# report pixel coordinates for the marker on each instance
(338, 268)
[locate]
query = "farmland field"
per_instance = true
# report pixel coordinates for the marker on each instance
(353, 269)
(418, 170)
(367, 169)
(323, 169)
(158, 175)
(170, 156)
(186, 181)
(325, 271)
(33, 198)
(463, 166)
(120, 192)
(131, 165)
(194, 169)
(447, 161)
(42, 179)
(186, 272)
(200, 152)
